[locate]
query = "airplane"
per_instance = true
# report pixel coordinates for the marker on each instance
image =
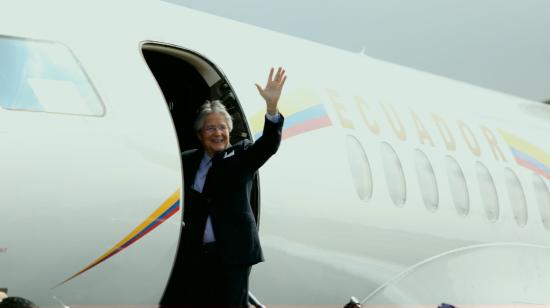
(392, 185)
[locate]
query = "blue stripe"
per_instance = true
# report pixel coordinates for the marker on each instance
(175, 205)
(304, 115)
(300, 117)
(526, 157)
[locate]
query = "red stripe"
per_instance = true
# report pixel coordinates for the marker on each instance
(153, 226)
(307, 126)
(125, 245)
(529, 165)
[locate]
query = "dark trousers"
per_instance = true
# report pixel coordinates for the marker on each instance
(205, 281)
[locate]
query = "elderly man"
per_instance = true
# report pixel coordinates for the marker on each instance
(219, 242)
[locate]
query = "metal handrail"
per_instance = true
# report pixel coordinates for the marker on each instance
(252, 300)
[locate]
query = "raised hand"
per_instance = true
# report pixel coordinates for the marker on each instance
(272, 91)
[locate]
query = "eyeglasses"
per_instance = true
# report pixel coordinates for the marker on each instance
(213, 128)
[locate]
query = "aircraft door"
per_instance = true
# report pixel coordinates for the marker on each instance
(187, 79)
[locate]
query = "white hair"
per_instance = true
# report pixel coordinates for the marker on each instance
(209, 107)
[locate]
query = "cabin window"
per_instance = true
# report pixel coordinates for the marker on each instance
(516, 197)
(395, 177)
(458, 186)
(46, 77)
(426, 180)
(488, 192)
(360, 168)
(543, 199)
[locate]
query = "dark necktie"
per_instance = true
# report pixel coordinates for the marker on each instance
(208, 181)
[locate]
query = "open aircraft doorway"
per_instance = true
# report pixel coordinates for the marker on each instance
(187, 79)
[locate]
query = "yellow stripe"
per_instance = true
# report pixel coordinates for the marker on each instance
(526, 147)
(166, 205)
(290, 103)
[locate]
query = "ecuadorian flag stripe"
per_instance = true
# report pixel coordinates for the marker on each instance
(529, 162)
(312, 118)
(165, 211)
(310, 125)
(305, 115)
(528, 155)
(171, 211)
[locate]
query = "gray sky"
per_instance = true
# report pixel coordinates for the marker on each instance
(498, 44)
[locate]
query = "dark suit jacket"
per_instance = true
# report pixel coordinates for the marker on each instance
(227, 198)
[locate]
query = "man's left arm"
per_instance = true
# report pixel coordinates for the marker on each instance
(259, 152)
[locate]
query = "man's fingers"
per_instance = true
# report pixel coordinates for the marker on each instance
(270, 78)
(274, 82)
(280, 73)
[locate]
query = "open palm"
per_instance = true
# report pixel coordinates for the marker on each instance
(272, 90)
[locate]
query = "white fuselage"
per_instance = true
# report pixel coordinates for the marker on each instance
(401, 187)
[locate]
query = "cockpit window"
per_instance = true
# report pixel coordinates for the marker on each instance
(44, 76)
